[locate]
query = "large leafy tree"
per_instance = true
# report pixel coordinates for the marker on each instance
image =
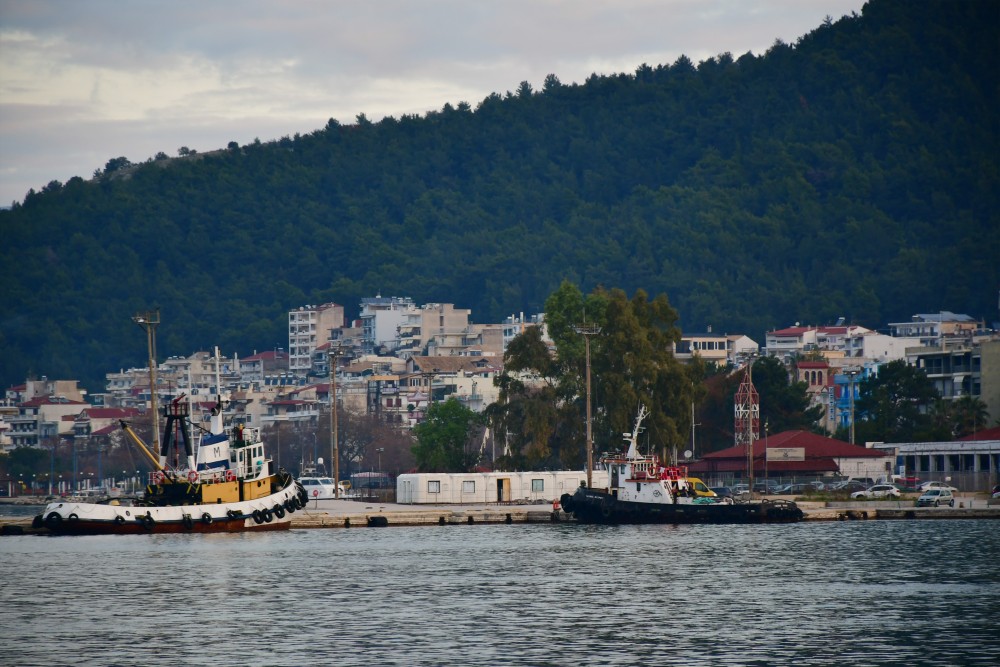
(894, 405)
(445, 437)
(542, 407)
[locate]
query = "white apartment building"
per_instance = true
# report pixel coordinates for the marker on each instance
(381, 321)
(308, 327)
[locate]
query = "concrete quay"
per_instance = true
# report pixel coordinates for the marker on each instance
(355, 514)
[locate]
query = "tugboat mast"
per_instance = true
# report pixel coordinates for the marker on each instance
(149, 321)
(588, 330)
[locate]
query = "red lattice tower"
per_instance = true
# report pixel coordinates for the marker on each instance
(746, 429)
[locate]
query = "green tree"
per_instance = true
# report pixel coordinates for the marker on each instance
(784, 405)
(632, 363)
(893, 405)
(444, 438)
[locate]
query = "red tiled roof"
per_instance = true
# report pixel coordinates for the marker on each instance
(108, 413)
(47, 400)
(987, 434)
(816, 446)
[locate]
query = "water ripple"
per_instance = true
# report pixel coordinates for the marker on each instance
(852, 593)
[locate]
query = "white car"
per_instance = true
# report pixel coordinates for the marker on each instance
(878, 491)
(318, 488)
(927, 486)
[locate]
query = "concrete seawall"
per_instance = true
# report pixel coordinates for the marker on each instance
(352, 514)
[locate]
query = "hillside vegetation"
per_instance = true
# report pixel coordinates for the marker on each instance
(853, 173)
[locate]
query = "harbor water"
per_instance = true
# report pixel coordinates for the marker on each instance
(848, 593)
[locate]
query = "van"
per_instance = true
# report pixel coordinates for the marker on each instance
(700, 488)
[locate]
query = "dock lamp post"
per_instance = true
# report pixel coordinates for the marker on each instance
(851, 372)
(588, 330)
(334, 448)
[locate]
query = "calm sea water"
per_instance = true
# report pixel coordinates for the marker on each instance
(852, 593)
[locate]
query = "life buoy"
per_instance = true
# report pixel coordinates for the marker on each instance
(315, 493)
(258, 517)
(206, 518)
(279, 511)
(555, 506)
(230, 476)
(188, 521)
(158, 477)
(193, 476)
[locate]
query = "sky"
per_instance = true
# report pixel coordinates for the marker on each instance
(84, 81)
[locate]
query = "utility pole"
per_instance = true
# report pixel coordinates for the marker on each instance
(851, 372)
(334, 448)
(588, 330)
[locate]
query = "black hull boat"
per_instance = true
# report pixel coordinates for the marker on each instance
(592, 506)
(643, 491)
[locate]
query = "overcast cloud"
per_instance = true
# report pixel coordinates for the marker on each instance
(84, 81)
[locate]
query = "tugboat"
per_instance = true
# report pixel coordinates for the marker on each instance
(641, 490)
(231, 486)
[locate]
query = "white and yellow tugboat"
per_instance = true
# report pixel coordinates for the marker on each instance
(233, 487)
(230, 486)
(643, 491)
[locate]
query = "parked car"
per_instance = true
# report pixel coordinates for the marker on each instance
(927, 486)
(878, 491)
(996, 491)
(723, 491)
(793, 489)
(935, 497)
(700, 488)
(740, 489)
(318, 488)
(906, 483)
(850, 486)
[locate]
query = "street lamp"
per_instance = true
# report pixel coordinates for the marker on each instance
(851, 372)
(380, 450)
(587, 331)
(334, 448)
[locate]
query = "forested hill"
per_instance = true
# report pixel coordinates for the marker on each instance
(853, 173)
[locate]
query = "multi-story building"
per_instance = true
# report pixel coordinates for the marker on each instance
(259, 365)
(720, 349)
(381, 322)
(830, 341)
(308, 327)
(937, 329)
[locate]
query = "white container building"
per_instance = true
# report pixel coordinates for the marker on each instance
(491, 487)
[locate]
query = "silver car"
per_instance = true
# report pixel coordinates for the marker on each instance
(935, 497)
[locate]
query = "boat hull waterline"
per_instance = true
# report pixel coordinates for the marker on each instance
(267, 513)
(598, 507)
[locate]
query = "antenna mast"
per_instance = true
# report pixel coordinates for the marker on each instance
(747, 426)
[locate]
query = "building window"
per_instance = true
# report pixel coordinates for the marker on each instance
(537, 485)
(469, 486)
(433, 486)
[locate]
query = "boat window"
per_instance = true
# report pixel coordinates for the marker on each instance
(469, 486)
(433, 486)
(537, 485)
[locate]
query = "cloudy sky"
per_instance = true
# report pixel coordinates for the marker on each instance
(82, 81)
